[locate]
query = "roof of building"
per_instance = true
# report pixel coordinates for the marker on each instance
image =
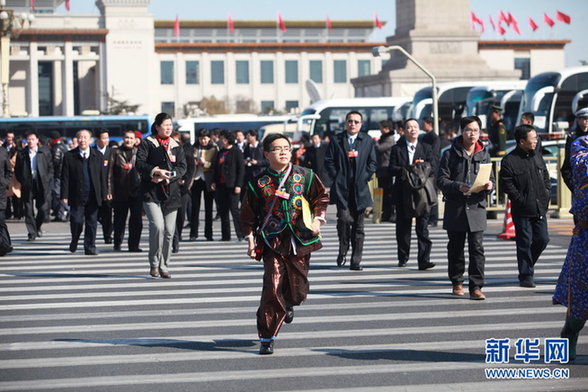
(238, 24)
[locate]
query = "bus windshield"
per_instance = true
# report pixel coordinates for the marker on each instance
(540, 104)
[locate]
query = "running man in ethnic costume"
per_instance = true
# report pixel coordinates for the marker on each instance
(572, 285)
(281, 215)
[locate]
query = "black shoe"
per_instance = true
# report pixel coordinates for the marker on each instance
(136, 250)
(527, 283)
(209, 239)
(426, 266)
(266, 348)
(108, 240)
(4, 249)
(289, 315)
(31, 237)
(175, 249)
(402, 263)
(355, 268)
(39, 233)
(341, 260)
(73, 247)
(193, 238)
(91, 252)
(116, 247)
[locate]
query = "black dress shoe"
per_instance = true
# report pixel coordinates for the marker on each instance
(289, 315)
(31, 237)
(402, 263)
(266, 348)
(4, 249)
(73, 248)
(39, 233)
(175, 249)
(108, 240)
(355, 268)
(193, 238)
(341, 260)
(426, 266)
(136, 250)
(91, 252)
(209, 239)
(527, 283)
(116, 247)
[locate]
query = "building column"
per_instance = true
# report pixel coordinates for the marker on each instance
(68, 83)
(102, 80)
(32, 90)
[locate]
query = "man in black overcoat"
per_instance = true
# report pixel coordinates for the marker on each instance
(350, 161)
(83, 187)
(405, 153)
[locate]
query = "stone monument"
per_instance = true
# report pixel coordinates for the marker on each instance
(439, 35)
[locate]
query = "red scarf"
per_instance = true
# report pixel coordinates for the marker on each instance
(163, 141)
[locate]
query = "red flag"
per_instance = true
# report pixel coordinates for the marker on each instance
(473, 19)
(563, 17)
(281, 24)
(502, 17)
(532, 24)
(515, 27)
(548, 20)
(329, 24)
(492, 23)
(33, 5)
(377, 22)
(501, 30)
(177, 26)
(230, 24)
(510, 19)
(67, 5)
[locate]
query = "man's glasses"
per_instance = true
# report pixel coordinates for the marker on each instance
(280, 149)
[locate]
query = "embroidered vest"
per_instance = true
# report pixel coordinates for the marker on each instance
(286, 213)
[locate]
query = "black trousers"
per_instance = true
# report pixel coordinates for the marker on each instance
(388, 208)
(84, 214)
(532, 239)
(403, 230)
(198, 189)
(4, 234)
(105, 219)
(121, 211)
(228, 201)
(35, 197)
(351, 232)
(456, 258)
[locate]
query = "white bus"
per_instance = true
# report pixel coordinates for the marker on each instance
(554, 97)
(506, 94)
(231, 122)
(327, 117)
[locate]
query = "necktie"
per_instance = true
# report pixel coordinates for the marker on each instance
(351, 143)
(412, 147)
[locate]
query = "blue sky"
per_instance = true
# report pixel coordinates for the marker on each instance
(577, 31)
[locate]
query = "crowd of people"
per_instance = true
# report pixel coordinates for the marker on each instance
(277, 198)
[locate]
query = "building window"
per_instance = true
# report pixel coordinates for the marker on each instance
(291, 71)
(169, 108)
(267, 71)
(217, 72)
(167, 72)
(192, 72)
(316, 71)
(340, 71)
(242, 71)
(45, 88)
(291, 105)
(524, 64)
(363, 68)
(267, 106)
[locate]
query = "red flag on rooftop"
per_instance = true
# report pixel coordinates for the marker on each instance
(548, 20)
(230, 24)
(281, 24)
(515, 27)
(501, 30)
(563, 17)
(33, 5)
(329, 24)
(532, 24)
(510, 19)
(377, 22)
(492, 23)
(67, 5)
(502, 17)
(177, 26)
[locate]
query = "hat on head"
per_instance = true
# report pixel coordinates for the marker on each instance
(54, 135)
(496, 108)
(138, 134)
(582, 113)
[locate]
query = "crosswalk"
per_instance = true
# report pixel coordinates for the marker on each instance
(100, 323)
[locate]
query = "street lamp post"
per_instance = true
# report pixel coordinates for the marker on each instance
(11, 24)
(380, 50)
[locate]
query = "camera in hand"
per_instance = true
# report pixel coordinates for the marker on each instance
(171, 173)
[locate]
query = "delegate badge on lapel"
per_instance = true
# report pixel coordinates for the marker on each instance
(282, 194)
(105, 163)
(172, 158)
(352, 154)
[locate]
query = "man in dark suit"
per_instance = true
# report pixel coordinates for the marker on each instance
(432, 139)
(105, 210)
(254, 160)
(34, 171)
(350, 161)
(315, 159)
(83, 187)
(402, 155)
(5, 178)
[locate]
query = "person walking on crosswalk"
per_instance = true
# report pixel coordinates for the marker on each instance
(276, 216)
(465, 208)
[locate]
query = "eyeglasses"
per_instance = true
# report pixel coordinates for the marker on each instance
(280, 149)
(353, 122)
